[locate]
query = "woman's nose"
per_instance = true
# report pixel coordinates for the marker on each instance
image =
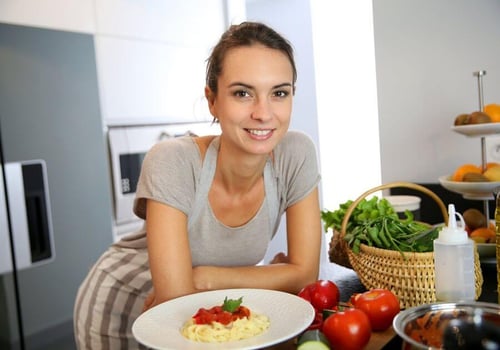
(262, 109)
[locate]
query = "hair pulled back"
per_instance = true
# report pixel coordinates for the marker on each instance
(245, 34)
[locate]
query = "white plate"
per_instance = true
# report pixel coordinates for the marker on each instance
(470, 190)
(159, 327)
(477, 129)
(486, 250)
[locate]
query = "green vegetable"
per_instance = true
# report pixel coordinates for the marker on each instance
(313, 340)
(365, 210)
(387, 232)
(231, 305)
(375, 223)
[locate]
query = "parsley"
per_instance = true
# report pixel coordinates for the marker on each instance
(231, 305)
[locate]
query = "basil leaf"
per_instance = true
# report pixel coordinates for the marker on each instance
(231, 305)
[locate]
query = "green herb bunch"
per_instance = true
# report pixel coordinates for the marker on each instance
(374, 222)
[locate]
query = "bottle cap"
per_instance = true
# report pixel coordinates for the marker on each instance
(453, 233)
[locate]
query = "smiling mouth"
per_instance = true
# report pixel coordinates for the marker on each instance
(259, 132)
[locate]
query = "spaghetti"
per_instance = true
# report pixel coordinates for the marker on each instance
(217, 324)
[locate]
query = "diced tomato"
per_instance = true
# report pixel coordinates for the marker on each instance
(241, 312)
(217, 314)
(224, 317)
(204, 316)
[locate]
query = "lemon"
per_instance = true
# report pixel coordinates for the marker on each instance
(493, 173)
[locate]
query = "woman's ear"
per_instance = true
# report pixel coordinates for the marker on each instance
(210, 96)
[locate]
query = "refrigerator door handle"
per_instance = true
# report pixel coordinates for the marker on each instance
(30, 214)
(17, 211)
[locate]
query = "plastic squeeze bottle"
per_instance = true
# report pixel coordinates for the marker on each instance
(454, 261)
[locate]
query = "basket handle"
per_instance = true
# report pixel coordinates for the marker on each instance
(410, 185)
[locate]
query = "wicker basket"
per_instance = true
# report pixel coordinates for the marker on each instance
(411, 277)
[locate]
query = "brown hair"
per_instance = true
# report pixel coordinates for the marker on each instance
(245, 34)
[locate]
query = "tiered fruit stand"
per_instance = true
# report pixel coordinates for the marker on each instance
(484, 191)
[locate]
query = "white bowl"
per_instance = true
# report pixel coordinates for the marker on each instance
(477, 130)
(471, 190)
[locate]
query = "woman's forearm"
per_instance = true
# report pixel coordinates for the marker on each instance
(283, 276)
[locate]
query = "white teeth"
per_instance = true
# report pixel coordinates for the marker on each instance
(259, 132)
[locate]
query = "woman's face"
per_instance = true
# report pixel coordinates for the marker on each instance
(254, 99)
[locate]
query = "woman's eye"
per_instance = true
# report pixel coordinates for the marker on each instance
(241, 93)
(281, 93)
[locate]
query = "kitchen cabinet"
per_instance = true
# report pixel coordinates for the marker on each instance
(151, 59)
(68, 15)
(142, 82)
(183, 23)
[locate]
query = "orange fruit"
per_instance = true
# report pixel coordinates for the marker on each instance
(483, 235)
(491, 165)
(459, 173)
(493, 111)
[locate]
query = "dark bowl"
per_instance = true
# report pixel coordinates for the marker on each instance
(459, 325)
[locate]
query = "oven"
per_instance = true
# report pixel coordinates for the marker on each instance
(127, 147)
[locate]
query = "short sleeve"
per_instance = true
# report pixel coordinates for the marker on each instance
(296, 166)
(169, 175)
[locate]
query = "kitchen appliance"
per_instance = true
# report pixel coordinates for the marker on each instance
(55, 195)
(127, 147)
(26, 233)
(31, 233)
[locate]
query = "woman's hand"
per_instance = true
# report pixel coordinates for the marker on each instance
(149, 302)
(280, 258)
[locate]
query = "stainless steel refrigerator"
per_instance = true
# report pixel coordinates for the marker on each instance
(55, 191)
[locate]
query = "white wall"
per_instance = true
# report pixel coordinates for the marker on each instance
(346, 97)
(426, 52)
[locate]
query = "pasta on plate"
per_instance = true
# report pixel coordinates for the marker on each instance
(239, 329)
(222, 323)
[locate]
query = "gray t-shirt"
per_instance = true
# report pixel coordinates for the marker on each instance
(174, 173)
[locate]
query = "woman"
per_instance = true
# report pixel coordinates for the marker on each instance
(212, 204)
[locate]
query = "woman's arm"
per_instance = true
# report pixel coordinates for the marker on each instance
(304, 249)
(169, 252)
(171, 266)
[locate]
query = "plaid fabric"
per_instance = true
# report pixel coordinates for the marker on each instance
(110, 298)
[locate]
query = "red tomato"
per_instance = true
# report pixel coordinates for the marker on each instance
(347, 330)
(241, 312)
(217, 314)
(317, 321)
(380, 305)
(305, 293)
(322, 294)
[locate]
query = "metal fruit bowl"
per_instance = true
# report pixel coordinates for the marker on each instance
(424, 327)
